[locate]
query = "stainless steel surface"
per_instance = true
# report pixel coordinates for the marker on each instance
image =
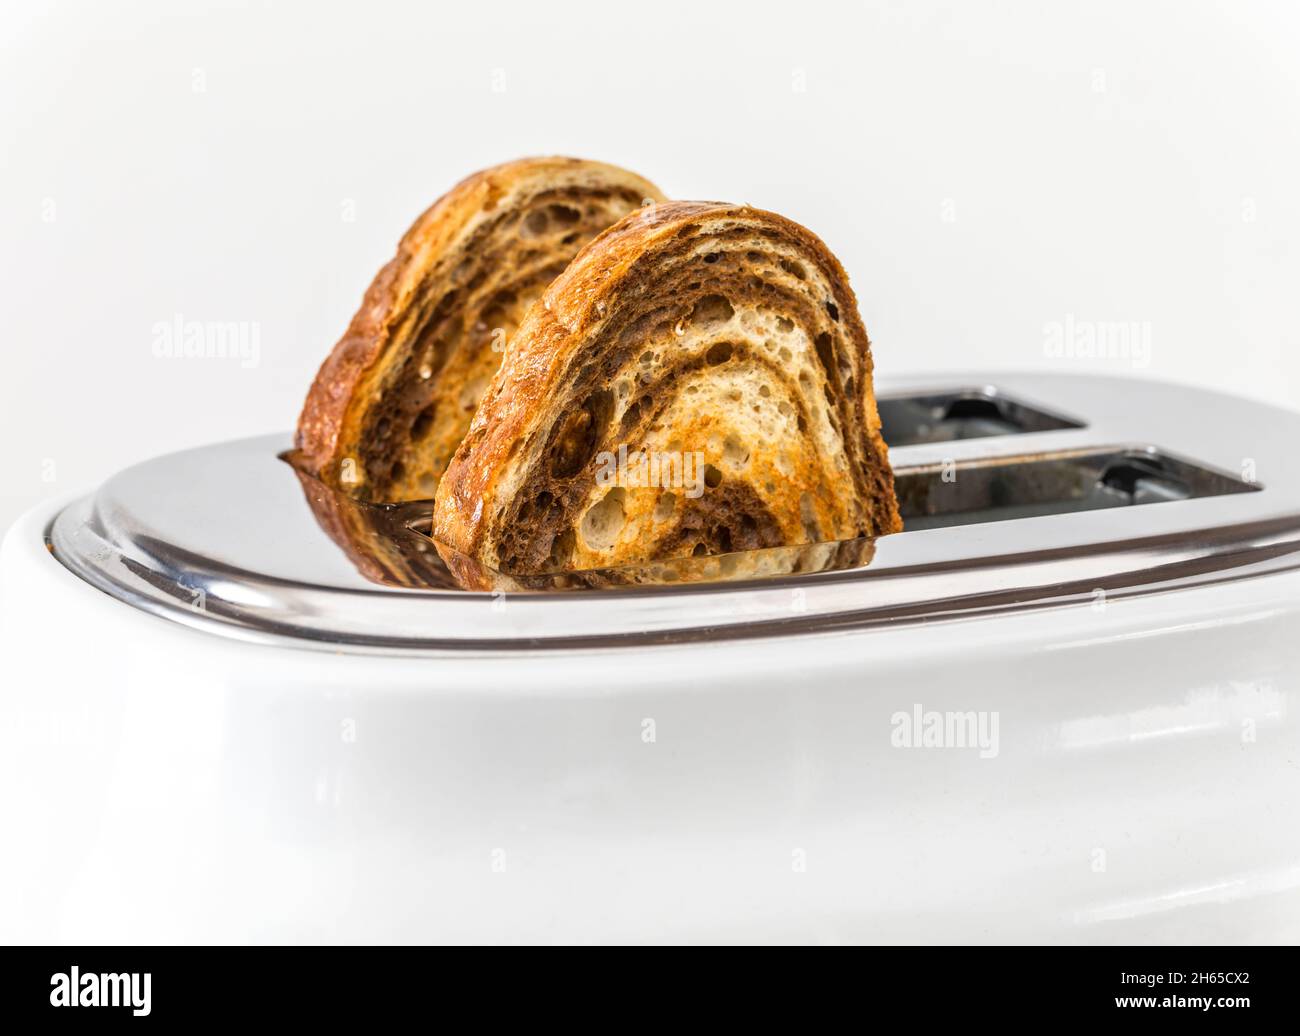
(222, 538)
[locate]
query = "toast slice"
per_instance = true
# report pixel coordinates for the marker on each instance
(697, 381)
(396, 395)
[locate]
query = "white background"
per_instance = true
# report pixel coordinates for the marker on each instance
(983, 170)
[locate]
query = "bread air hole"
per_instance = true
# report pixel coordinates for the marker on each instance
(541, 508)
(718, 353)
(604, 520)
(793, 269)
(734, 452)
(535, 224)
(712, 476)
(423, 422)
(564, 215)
(562, 549)
(664, 506)
(574, 442)
(712, 311)
(826, 353)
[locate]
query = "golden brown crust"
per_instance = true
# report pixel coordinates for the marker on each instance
(721, 277)
(392, 400)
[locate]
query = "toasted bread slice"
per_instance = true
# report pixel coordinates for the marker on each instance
(394, 398)
(719, 342)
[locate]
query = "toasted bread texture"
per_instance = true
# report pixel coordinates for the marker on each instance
(697, 381)
(741, 566)
(397, 393)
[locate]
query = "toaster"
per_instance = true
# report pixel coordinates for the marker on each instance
(1055, 709)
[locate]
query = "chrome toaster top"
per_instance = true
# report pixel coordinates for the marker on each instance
(1017, 491)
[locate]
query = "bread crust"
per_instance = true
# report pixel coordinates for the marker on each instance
(618, 265)
(349, 385)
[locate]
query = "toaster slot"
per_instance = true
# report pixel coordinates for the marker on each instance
(943, 495)
(909, 420)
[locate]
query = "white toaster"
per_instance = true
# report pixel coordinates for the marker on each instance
(1056, 709)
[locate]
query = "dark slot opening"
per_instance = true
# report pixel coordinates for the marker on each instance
(937, 496)
(963, 414)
